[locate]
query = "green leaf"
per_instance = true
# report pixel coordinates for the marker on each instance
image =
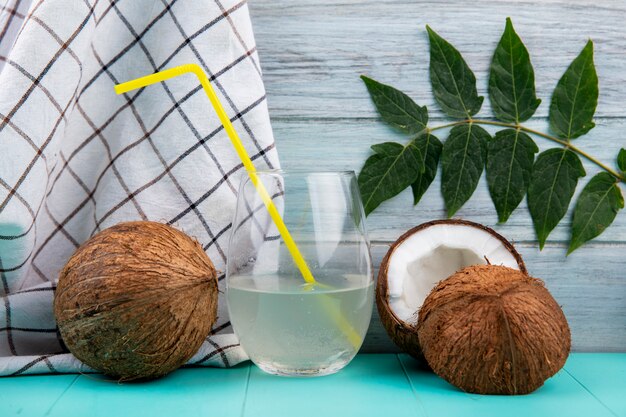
(512, 79)
(389, 171)
(621, 160)
(596, 209)
(575, 98)
(462, 164)
(430, 150)
(509, 165)
(396, 108)
(552, 185)
(454, 83)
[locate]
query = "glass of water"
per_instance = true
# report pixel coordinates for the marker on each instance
(286, 325)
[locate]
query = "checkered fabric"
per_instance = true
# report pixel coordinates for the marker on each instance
(75, 158)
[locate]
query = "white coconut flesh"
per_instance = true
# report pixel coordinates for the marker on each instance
(434, 253)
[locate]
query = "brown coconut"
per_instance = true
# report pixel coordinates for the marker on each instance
(136, 300)
(493, 330)
(402, 331)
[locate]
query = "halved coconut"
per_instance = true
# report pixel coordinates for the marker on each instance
(421, 258)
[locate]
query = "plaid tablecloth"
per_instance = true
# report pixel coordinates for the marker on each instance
(75, 158)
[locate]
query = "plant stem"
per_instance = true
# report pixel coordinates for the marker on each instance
(460, 122)
(562, 142)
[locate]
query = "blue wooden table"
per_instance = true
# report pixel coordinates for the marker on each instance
(590, 385)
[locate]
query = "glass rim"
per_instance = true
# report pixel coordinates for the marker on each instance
(305, 171)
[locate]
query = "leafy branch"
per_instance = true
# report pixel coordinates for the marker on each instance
(548, 180)
(621, 176)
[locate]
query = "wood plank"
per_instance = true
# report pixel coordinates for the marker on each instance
(561, 395)
(186, 392)
(32, 395)
(602, 374)
(590, 286)
(345, 144)
(371, 385)
(312, 52)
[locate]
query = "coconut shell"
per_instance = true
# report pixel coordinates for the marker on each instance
(136, 300)
(493, 330)
(401, 332)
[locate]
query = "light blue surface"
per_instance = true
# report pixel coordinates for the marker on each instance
(372, 385)
(187, 392)
(383, 385)
(561, 395)
(605, 378)
(32, 395)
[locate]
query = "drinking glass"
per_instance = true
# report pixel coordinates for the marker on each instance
(286, 325)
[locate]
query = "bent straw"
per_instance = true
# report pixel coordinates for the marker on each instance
(239, 148)
(298, 259)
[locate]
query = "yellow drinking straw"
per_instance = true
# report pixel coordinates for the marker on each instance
(353, 336)
(241, 151)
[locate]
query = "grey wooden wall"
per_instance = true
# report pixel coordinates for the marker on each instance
(313, 51)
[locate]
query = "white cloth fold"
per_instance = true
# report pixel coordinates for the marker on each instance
(75, 158)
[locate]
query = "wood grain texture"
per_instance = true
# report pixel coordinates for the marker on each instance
(312, 52)
(590, 287)
(346, 145)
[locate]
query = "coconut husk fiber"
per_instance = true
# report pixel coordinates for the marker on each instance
(493, 330)
(136, 300)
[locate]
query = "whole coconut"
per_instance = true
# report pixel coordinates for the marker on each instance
(136, 300)
(493, 330)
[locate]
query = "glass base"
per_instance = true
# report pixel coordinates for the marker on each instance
(275, 369)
